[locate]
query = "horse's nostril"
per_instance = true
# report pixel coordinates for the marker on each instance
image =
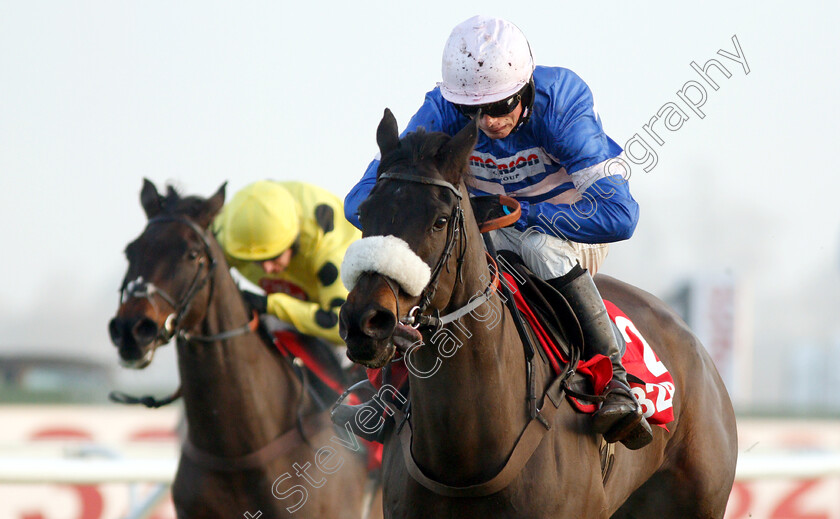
(144, 331)
(115, 331)
(378, 324)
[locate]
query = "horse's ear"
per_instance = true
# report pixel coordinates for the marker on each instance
(151, 201)
(212, 206)
(387, 134)
(453, 156)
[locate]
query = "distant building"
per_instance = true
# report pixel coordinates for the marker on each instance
(719, 310)
(50, 379)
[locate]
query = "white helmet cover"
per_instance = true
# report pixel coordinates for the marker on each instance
(485, 60)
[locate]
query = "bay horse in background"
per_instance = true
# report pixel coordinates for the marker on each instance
(245, 449)
(448, 455)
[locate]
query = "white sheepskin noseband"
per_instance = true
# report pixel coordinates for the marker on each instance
(389, 256)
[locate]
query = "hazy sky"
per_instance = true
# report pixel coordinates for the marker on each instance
(96, 95)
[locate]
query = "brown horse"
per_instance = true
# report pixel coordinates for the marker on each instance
(460, 450)
(244, 452)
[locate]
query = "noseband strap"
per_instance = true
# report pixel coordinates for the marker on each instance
(146, 289)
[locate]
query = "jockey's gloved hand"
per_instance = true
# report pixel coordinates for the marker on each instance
(256, 302)
(487, 207)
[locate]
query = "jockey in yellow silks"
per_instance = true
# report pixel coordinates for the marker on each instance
(289, 238)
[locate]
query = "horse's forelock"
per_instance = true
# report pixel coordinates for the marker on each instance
(175, 203)
(415, 149)
(193, 206)
(172, 199)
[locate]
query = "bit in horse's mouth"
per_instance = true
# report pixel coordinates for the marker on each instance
(404, 336)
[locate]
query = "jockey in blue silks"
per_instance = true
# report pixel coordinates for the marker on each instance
(542, 143)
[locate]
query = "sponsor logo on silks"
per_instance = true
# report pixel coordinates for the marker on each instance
(509, 169)
(281, 286)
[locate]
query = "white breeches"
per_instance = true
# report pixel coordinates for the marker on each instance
(549, 256)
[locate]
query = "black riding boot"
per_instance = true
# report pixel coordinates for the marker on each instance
(620, 416)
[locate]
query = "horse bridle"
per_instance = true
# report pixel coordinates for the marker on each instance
(541, 419)
(140, 288)
(146, 289)
(417, 316)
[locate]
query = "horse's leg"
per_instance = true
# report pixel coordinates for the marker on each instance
(374, 506)
(697, 476)
(673, 495)
(698, 462)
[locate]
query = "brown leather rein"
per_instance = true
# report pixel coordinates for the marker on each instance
(503, 221)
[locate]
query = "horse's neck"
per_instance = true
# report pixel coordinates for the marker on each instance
(469, 414)
(238, 395)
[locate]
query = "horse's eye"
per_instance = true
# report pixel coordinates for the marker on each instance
(440, 223)
(192, 255)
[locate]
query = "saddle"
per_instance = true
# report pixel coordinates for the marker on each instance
(557, 320)
(553, 324)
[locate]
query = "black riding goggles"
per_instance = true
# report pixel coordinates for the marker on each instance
(496, 109)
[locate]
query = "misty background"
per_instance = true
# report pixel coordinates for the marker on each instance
(96, 95)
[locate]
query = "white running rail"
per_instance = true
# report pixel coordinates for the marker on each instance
(126, 470)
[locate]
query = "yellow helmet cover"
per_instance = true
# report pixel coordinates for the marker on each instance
(259, 222)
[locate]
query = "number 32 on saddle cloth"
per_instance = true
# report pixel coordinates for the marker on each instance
(649, 379)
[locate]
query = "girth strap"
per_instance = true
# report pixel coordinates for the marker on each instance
(525, 446)
(281, 445)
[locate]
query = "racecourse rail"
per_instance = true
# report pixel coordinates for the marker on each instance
(95, 471)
